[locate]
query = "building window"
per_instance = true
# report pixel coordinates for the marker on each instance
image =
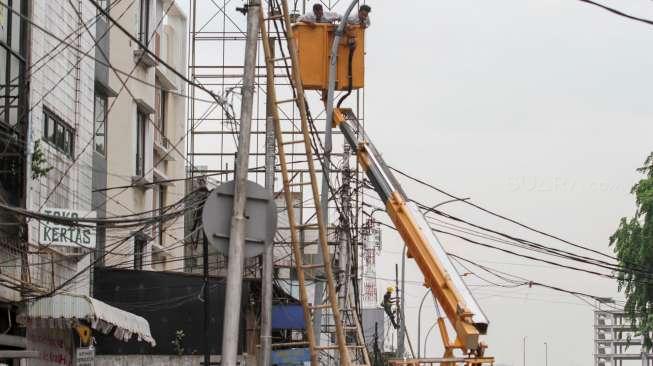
(58, 133)
(99, 137)
(139, 249)
(141, 124)
(161, 201)
(13, 50)
(160, 99)
(104, 4)
(163, 111)
(144, 21)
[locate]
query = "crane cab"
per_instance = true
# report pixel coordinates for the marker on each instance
(314, 49)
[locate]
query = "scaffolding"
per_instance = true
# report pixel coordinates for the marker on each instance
(217, 46)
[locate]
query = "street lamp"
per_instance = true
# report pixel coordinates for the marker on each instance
(524, 350)
(427, 335)
(419, 323)
(546, 354)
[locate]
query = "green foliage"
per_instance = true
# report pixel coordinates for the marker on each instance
(40, 166)
(178, 342)
(633, 246)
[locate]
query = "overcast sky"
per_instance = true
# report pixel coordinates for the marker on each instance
(537, 109)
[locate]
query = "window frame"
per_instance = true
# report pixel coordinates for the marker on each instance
(139, 252)
(144, 21)
(141, 129)
(163, 98)
(105, 100)
(161, 201)
(14, 48)
(61, 130)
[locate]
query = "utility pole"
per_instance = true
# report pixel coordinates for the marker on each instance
(524, 351)
(400, 340)
(376, 343)
(266, 276)
(326, 155)
(237, 233)
(401, 336)
(206, 295)
(345, 243)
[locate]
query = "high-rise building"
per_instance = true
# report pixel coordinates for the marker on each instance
(615, 341)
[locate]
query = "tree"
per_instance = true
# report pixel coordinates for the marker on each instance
(40, 166)
(633, 246)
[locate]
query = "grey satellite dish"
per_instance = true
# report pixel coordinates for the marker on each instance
(260, 212)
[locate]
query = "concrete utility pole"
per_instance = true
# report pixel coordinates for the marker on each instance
(345, 245)
(419, 321)
(401, 334)
(524, 351)
(266, 276)
(400, 341)
(324, 198)
(238, 220)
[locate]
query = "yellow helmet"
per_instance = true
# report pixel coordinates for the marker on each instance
(391, 289)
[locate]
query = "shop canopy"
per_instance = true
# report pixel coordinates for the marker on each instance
(65, 308)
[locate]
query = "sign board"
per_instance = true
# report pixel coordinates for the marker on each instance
(85, 357)
(54, 345)
(51, 233)
(260, 213)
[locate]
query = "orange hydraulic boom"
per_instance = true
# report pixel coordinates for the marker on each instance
(460, 307)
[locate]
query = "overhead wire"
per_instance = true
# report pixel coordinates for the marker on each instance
(109, 249)
(618, 12)
(483, 209)
(113, 103)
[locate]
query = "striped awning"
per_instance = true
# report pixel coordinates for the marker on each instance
(64, 308)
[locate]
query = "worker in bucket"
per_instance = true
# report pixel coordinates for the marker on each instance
(361, 18)
(387, 305)
(318, 15)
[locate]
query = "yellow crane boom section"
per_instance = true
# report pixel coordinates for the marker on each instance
(440, 276)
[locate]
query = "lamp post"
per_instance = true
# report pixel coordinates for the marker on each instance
(524, 340)
(546, 354)
(419, 324)
(428, 334)
(402, 330)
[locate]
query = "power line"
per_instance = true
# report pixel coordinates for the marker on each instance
(114, 246)
(468, 202)
(618, 12)
(104, 55)
(526, 281)
(109, 222)
(546, 249)
(556, 264)
(62, 41)
(146, 49)
(122, 87)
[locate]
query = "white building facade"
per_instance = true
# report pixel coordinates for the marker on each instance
(145, 131)
(615, 341)
(61, 108)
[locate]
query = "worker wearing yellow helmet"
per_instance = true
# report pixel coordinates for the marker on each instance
(387, 305)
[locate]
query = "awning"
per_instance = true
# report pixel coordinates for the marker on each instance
(101, 316)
